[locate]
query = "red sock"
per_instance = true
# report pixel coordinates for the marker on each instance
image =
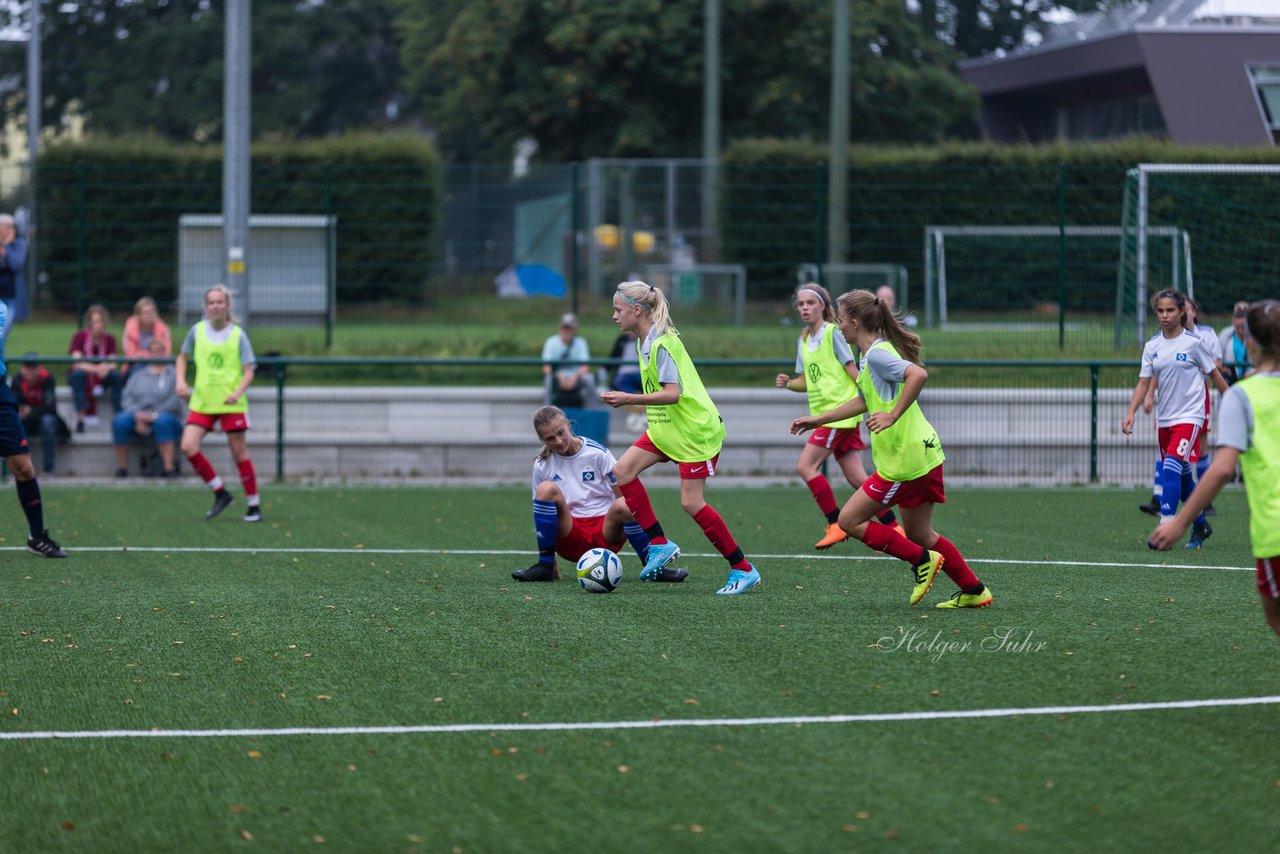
(638, 502)
(717, 532)
(882, 538)
(201, 464)
(822, 493)
(248, 478)
(953, 564)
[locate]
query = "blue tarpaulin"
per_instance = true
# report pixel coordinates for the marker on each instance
(528, 280)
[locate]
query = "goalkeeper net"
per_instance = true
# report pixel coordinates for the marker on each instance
(1227, 211)
(1038, 277)
(703, 293)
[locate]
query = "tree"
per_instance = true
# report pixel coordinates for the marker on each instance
(624, 78)
(981, 27)
(131, 66)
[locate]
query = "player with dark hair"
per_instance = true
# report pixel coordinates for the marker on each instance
(1247, 434)
(1178, 359)
(17, 453)
(905, 448)
(827, 373)
(1212, 341)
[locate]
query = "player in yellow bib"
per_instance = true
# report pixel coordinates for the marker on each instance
(1247, 433)
(684, 428)
(827, 371)
(904, 447)
(223, 358)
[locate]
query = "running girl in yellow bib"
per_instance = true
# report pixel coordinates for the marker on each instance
(905, 448)
(828, 373)
(684, 428)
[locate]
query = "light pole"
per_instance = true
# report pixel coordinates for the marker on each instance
(710, 127)
(33, 144)
(838, 174)
(235, 152)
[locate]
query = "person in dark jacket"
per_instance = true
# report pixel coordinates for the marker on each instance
(34, 388)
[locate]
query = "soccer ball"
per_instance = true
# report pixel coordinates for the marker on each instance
(599, 571)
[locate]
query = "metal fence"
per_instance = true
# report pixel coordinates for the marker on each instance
(1001, 422)
(481, 263)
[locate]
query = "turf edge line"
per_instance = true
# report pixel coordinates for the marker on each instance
(649, 724)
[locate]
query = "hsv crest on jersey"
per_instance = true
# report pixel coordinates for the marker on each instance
(588, 476)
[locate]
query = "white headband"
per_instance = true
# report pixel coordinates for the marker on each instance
(812, 291)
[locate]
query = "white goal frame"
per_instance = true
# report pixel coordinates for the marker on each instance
(935, 253)
(895, 275)
(1144, 228)
(737, 272)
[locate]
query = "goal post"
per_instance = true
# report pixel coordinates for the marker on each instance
(719, 290)
(1014, 266)
(841, 277)
(1227, 208)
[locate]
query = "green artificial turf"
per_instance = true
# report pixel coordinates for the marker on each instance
(313, 619)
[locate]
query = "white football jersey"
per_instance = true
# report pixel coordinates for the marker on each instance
(1210, 339)
(1179, 366)
(586, 478)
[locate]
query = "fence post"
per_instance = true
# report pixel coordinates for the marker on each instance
(573, 235)
(331, 296)
(820, 219)
(1062, 254)
(1093, 423)
(80, 226)
(280, 372)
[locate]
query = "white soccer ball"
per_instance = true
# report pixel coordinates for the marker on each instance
(599, 571)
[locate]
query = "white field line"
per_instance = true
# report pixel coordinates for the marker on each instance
(527, 552)
(570, 726)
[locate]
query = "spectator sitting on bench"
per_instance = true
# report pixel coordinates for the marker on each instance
(566, 374)
(34, 389)
(143, 325)
(150, 407)
(88, 380)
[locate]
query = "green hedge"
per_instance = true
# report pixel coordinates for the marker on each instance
(773, 198)
(109, 211)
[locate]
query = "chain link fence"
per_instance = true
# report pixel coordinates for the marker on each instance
(468, 260)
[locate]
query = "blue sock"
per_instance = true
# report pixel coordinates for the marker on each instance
(638, 538)
(1171, 481)
(1202, 466)
(1158, 486)
(1188, 486)
(546, 524)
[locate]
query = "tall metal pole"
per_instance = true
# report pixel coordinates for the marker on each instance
(34, 98)
(235, 154)
(710, 129)
(838, 177)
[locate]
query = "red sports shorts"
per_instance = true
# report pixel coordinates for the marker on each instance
(838, 440)
(232, 422)
(1180, 441)
(587, 534)
(688, 471)
(926, 489)
(1269, 577)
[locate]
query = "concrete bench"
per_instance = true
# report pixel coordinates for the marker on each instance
(990, 435)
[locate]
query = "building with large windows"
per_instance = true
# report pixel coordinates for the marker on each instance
(1191, 71)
